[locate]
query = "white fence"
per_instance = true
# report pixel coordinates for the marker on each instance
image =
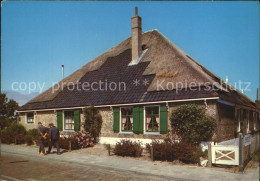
(225, 155)
(237, 151)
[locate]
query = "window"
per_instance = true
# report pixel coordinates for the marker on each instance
(127, 119)
(152, 119)
(30, 117)
(68, 120)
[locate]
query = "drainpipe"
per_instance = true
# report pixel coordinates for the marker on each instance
(167, 105)
(205, 102)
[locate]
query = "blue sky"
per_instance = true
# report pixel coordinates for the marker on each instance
(38, 37)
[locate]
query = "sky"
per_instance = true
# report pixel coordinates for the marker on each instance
(39, 37)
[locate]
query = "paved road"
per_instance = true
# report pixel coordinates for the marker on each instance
(22, 167)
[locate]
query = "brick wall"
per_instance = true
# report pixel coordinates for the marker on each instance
(225, 122)
(107, 117)
(45, 117)
(107, 127)
(224, 116)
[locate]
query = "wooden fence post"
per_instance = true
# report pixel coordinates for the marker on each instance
(241, 144)
(109, 149)
(152, 153)
(209, 155)
(69, 145)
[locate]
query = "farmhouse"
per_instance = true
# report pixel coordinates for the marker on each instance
(135, 85)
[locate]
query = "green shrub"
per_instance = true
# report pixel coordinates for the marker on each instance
(92, 122)
(17, 129)
(6, 136)
(19, 139)
(6, 122)
(18, 132)
(13, 134)
(128, 148)
(64, 143)
(34, 133)
(191, 123)
(28, 139)
(171, 150)
(31, 136)
(186, 152)
(161, 150)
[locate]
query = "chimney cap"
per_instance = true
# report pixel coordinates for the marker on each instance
(136, 11)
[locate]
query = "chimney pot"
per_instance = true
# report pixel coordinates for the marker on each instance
(136, 11)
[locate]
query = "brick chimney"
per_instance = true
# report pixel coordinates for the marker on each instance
(136, 35)
(257, 100)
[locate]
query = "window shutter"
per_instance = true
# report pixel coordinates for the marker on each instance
(116, 120)
(141, 119)
(163, 119)
(76, 120)
(136, 120)
(59, 120)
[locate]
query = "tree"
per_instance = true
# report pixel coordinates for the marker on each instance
(7, 110)
(93, 121)
(192, 124)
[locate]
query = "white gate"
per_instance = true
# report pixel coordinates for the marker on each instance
(224, 154)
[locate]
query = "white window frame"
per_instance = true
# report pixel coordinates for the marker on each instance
(120, 121)
(30, 123)
(238, 120)
(248, 122)
(63, 121)
(255, 119)
(144, 118)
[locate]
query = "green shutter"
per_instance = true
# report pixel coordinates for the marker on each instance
(141, 119)
(136, 120)
(59, 120)
(163, 119)
(116, 120)
(76, 120)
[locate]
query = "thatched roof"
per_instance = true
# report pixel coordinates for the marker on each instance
(163, 62)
